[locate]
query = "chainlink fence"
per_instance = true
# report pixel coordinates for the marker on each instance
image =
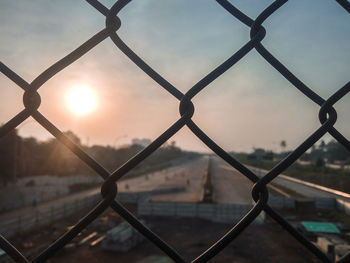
(32, 100)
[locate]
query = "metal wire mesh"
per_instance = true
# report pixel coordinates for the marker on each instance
(31, 99)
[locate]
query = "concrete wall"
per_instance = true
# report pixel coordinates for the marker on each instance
(36, 218)
(224, 213)
(131, 198)
(325, 203)
(281, 202)
(44, 180)
(219, 211)
(343, 206)
(135, 197)
(43, 188)
(289, 202)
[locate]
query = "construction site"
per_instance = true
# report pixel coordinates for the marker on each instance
(180, 201)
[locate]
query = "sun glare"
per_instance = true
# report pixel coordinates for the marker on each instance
(81, 100)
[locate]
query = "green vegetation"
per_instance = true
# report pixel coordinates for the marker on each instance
(313, 166)
(330, 152)
(20, 157)
(208, 186)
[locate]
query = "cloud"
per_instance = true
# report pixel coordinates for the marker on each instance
(250, 104)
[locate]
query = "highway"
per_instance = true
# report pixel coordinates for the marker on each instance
(303, 188)
(230, 186)
(184, 182)
(180, 183)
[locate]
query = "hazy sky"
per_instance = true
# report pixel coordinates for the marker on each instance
(251, 105)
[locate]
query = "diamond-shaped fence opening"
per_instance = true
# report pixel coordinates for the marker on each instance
(109, 189)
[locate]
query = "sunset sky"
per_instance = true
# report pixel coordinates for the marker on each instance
(251, 105)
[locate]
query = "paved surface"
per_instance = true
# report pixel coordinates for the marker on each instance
(173, 182)
(182, 183)
(230, 186)
(301, 189)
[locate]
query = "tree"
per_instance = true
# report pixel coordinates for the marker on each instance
(320, 162)
(336, 152)
(73, 137)
(9, 151)
(283, 145)
(322, 146)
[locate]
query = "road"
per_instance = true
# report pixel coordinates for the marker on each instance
(301, 189)
(181, 183)
(230, 186)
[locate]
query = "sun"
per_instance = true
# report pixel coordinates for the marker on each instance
(81, 100)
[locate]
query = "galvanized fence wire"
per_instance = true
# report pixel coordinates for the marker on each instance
(32, 100)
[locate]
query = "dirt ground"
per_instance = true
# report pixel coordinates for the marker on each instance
(258, 243)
